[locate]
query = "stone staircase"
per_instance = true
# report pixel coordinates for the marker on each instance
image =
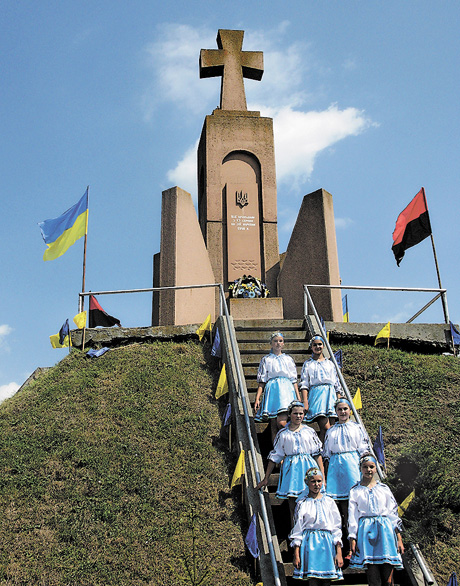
(253, 337)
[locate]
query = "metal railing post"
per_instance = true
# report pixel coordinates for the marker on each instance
(342, 380)
(252, 449)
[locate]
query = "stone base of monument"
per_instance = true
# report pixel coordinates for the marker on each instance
(269, 308)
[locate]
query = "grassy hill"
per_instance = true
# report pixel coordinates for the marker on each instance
(111, 471)
(108, 471)
(416, 400)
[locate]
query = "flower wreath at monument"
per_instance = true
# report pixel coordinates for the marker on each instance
(248, 287)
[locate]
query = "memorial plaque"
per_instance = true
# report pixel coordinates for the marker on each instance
(243, 230)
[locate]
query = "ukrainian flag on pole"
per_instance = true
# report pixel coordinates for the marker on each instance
(60, 233)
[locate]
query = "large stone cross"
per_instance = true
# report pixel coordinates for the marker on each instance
(230, 62)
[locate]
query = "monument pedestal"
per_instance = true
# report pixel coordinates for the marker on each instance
(268, 308)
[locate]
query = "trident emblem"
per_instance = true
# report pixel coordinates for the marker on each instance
(241, 199)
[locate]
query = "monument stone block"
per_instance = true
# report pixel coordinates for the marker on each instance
(311, 258)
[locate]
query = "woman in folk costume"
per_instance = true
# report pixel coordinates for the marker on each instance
(316, 536)
(277, 385)
(298, 447)
(344, 444)
(374, 528)
(320, 387)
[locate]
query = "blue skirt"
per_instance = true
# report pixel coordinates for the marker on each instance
(376, 543)
(292, 475)
(317, 553)
(278, 395)
(342, 473)
(321, 402)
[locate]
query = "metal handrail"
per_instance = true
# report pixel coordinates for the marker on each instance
(223, 310)
(340, 375)
(440, 293)
(239, 375)
(417, 554)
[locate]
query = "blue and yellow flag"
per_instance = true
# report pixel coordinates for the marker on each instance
(62, 339)
(345, 308)
(60, 233)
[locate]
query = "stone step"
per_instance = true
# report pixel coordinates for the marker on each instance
(254, 359)
(289, 571)
(268, 325)
(254, 347)
(263, 337)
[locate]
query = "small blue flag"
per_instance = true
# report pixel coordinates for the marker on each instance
(379, 447)
(93, 353)
(216, 349)
(338, 356)
(227, 415)
(455, 334)
(64, 332)
(323, 324)
(251, 538)
(453, 580)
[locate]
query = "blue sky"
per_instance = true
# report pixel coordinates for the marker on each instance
(364, 97)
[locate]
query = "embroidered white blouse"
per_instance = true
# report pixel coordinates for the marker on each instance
(318, 513)
(319, 372)
(273, 366)
(290, 443)
(371, 502)
(345, 437)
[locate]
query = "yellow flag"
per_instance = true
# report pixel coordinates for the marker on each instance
(402, 508)
(55, 341)
(80, 320)
(357, 400)
(222, 385)
(383, 335)
(239, 471)
(205, 327)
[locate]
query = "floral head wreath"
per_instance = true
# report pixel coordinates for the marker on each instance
(312, 472)
(275, 334)
(317, 337)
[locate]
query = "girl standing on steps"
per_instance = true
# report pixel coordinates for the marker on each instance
(320, 387)
(298, 447)
(277, 385)
(316, 536)
(344, 444)
(374, 527)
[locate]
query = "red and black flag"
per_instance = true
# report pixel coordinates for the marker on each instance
(412, 226)
(98, 317)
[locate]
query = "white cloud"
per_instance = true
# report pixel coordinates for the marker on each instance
(5, 330)
(7, 391)
(174, 61)
(301, 134)
(184, 173)
(343, 223)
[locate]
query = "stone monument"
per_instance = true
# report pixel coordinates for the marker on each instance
(237, 212)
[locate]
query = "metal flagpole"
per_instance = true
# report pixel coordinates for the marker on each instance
(84, 254)
(443, 296)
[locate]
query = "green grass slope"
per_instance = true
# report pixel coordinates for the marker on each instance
(108, 474)
(416, 399)
(111, 471)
